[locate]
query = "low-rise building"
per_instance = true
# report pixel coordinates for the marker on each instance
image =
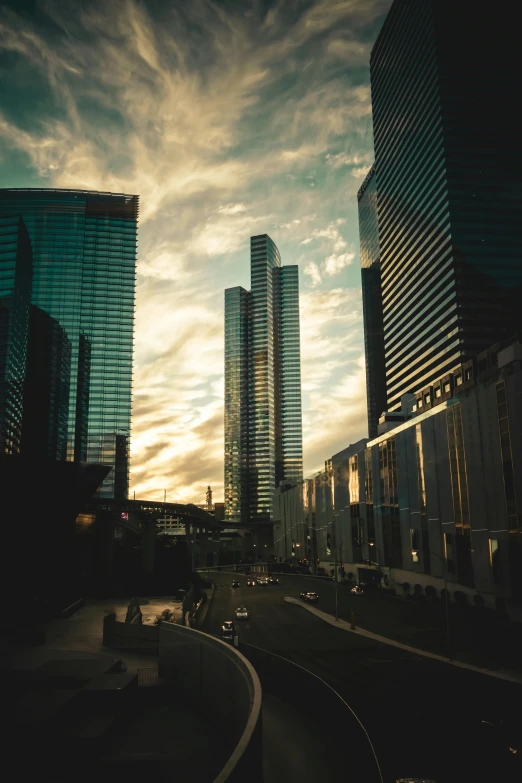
(433, 500)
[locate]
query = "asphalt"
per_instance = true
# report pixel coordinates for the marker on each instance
(425, 718)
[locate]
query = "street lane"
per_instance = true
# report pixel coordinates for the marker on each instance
(425, 718)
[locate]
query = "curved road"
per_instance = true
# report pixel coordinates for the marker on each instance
(425, 718)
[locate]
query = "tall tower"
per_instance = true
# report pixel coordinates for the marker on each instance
(83, 281)
(372, 302)
(448, 164)
(263, 429)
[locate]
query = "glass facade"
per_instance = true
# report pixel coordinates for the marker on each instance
(84, 267)
(263, 433)
(237, 330)
(372, 302)
(16, 268)
(449, 173)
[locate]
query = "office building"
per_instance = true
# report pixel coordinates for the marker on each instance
(372, 301)
(432, 502)
(448, 169)
(80, 326)
(16, 269)
(263, 430)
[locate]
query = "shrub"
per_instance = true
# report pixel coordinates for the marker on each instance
(478, 600)
(460, 598)
(417, 589)
(430, 592)
(445, 594)
(406, 587)
(166, 616)
(350, 576)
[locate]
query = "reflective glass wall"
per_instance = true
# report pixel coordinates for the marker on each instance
(263, 431)
(84, 266)
(448, 164)
(372, 302)
(15, 297)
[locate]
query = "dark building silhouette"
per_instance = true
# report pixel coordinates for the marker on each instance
(448, 163)
(84, 269)
(46, 388)
(372, 302)
(15, 296)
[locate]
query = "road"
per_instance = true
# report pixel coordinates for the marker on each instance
(425, 718)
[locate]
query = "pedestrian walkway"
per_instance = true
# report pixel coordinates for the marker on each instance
(345, 626)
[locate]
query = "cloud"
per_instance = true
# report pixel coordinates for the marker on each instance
(227, 121)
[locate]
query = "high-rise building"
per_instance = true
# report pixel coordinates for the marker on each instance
(83, 285)
(263, 429)
(16, 270)
(372, 301)
(448, 164)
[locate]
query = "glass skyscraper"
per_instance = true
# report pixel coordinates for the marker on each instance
(263, 428)
(448, 163)
(79, 328)
(372, 301)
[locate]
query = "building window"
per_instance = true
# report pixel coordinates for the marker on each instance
(458, 472)
(494, 560)
(419, 403)
(427, 399)
(449, 553)
(468, 374)
(438, 392)
(458, 379)
(414, 538)
(447, 387)
(507, 458)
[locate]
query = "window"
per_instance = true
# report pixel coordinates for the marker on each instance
(494, 559)
(438, 391)
(447, 387)
(448, 552)
(468, 374)
(458, 379)
(414, 538)
(427, 399)
(419, 403)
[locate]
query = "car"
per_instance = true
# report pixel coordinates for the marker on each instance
(273, 580)
(235, 583)
(242, 613)
(262, 580)
(310, 597)
(357, 590)
(251, 583)
(228, 631)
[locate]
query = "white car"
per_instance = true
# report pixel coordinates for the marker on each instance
(262, 580)
(228, 631)
(242, 613)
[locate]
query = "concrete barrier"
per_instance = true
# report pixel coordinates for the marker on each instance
(130, 636)
(222, 683)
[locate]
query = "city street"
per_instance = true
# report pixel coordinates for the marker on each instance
(424, 718)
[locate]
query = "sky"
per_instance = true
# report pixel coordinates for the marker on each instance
(229, 119)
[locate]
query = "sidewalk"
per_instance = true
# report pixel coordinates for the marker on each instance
(346, 626)
(480, 637)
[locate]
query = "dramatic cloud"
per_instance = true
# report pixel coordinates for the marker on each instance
(228, 119)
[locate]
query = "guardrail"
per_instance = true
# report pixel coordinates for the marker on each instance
(223, 684)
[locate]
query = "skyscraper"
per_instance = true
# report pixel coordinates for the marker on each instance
(448, 163)
(372, 301)
(263, 429)
(83, 281)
